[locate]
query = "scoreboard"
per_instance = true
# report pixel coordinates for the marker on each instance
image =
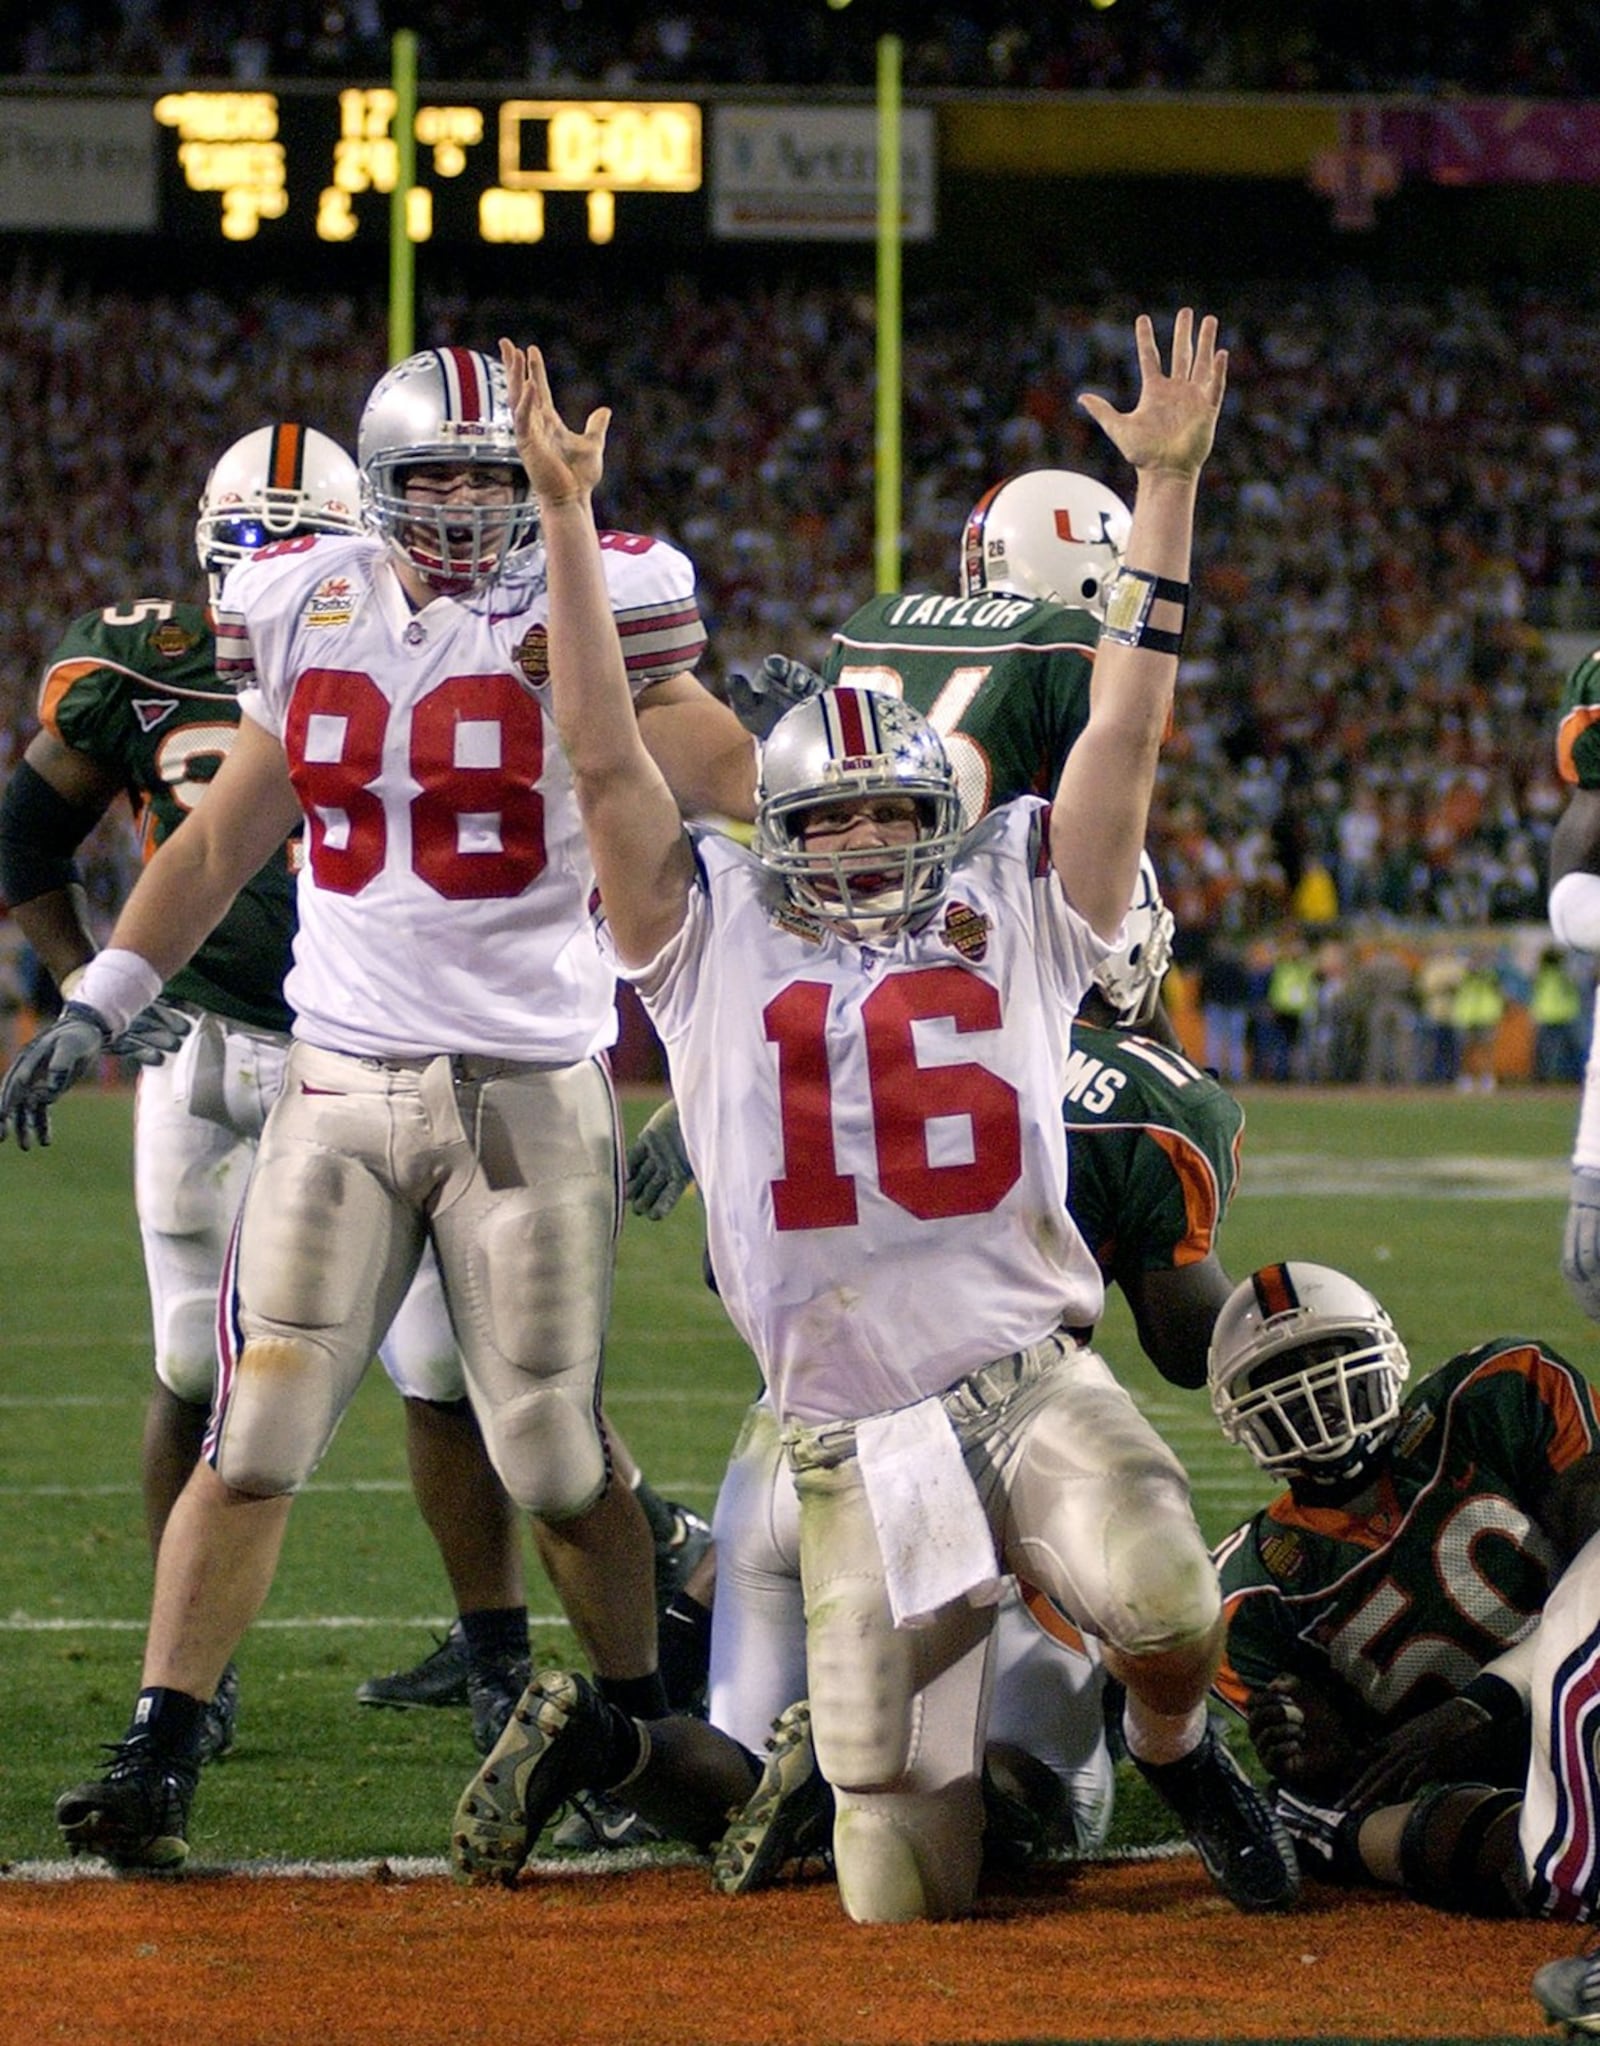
(261, 166)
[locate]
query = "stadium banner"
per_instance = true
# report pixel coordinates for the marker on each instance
(789, 173)
(77, 163)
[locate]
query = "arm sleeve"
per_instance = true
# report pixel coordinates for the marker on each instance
(39, 833)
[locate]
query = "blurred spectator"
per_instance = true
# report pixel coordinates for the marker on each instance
(1385, 977)
(1225, 1011)
(1291, 1011)
(1171, 45)
(1438, 977)
(1556, 1004)
(1357, 648)
(1475, 1013)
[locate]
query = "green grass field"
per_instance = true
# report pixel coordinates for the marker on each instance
(1449, 1208)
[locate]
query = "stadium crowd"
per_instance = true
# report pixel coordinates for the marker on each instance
(1161, 45)
(1374, 544)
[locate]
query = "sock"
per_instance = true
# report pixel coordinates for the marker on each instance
(496, 1634)
(685, 1650)
(627, 1749)
(172, 1721)
(1162, 1737)
(663, 1522)
(639, 1697)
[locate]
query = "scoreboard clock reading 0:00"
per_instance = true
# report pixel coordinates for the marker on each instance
(261, 166)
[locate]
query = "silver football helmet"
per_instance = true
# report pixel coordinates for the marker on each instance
(1050, 533)
(1130, 978)
(273, 484)
(448, 407)
(1306, 1371)
(844, 743)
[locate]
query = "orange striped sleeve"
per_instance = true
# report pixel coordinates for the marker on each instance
(55, 686)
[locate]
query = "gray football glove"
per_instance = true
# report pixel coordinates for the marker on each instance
(659, 1173)
(759, 700)
(74, 1044)
(153, 1033)
(1580, 1249)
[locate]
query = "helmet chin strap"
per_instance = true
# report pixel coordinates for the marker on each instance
(1338, 1483)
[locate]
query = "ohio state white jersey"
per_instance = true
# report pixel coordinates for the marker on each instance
(444, 900)
(877, 1131)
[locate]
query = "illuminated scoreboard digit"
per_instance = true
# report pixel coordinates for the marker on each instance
(228, 143)
(600, 147)
(324, 162)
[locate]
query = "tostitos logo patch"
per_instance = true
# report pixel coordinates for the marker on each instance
(966, 930)
(332, 601)
(533, 657)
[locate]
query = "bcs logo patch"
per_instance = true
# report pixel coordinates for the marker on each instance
(966, 930)
(332, 601)
(171, 640)
(533, 657)
(1283, 1555)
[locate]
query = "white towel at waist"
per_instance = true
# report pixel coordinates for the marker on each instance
(931, 1526)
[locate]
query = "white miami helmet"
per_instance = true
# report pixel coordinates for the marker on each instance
(1050, 533)
(274, 484)
(1306, 1372)
(446, 407)
(857, 743)
(1130, 978)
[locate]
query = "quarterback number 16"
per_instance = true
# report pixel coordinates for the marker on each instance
(906, 1098)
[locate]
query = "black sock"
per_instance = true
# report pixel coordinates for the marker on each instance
(685, 1650)
(172, 1721)
(639, 1697)
(496, 1634)
(624, 1748)
(663, 1522)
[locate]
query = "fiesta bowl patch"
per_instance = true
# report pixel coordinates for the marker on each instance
(966, 930)
(533, 657)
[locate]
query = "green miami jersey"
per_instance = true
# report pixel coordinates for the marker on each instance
(1004, 681)
(1390, 1610)
(1578, 734)
(135, 689)
(1153, 1151)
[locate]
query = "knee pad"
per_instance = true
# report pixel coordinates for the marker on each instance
(545, 1276)
(1162, 1579)
(903, 1855)
(863, 1679)
(547, 1447)
(1459, 1851)
(186, 1346)
(279, 1410)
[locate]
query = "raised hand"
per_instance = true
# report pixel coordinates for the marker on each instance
(1169, 431)
(562, 464)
